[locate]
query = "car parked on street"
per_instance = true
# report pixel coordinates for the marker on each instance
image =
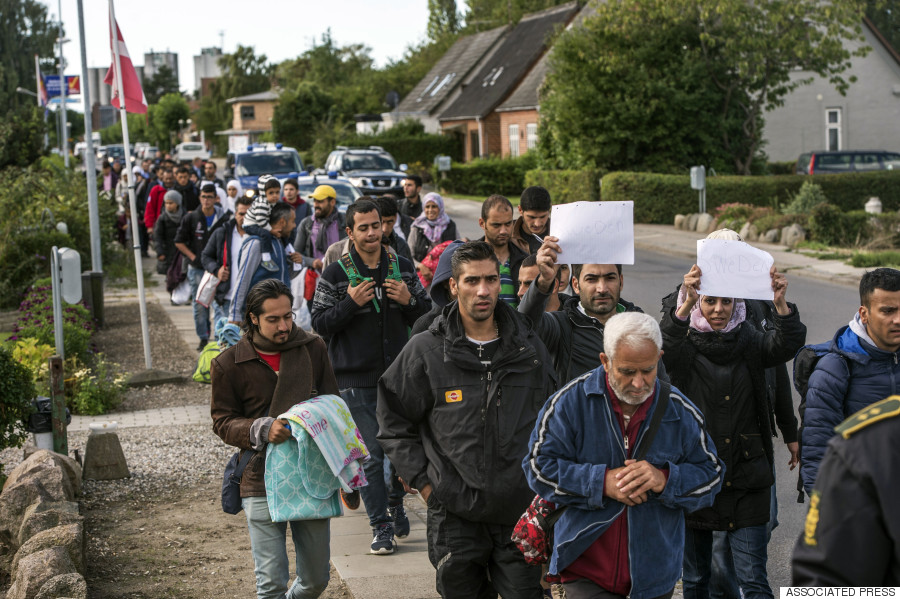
(373, 170)
(187, 151)
(847, 161)
(263, 159)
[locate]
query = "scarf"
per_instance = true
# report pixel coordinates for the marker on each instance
(433, 229)
(295, 382)
(322, 238)
(720, 347)
(699, 322)
(237, 185)
(174, 217)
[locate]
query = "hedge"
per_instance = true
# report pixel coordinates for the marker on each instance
(487, 176)
(414, 148)
(567, 186)
(658, 198)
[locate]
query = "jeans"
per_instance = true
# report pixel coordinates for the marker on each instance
(219, 311)
(477, 560)
(723, 579)
(749, 554)
(586, 589)
(201, 314)
(375, 496)
(267, 542)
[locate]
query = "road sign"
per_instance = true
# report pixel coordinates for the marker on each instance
(52, 84)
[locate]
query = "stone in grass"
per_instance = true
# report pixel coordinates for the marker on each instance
(153, 378)
(705, 222)
(691, 222)
(749, 232)
(69, 586)
(68, 536)
(43, 459)
(104, 458)
(36, 569)
(792, 235)
(37, 522)
(771, 236)
(679, 221)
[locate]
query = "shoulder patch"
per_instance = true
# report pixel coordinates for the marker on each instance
(886, 408)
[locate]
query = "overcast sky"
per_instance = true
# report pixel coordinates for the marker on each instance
(279, 29)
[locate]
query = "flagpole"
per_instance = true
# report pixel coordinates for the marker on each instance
(89, 157)
(37, 78)
(135, 233)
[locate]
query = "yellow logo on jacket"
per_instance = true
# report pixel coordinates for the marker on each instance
(453, 396)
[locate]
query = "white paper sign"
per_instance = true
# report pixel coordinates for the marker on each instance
(734, 269)
(288, 250)
(594, 232)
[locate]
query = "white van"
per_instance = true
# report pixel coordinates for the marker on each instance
(190, 150)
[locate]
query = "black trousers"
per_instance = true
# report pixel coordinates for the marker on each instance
(586, 589)
(475, 560)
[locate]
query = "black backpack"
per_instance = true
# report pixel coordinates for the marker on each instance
(805, 363)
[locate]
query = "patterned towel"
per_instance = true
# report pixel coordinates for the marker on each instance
(327, 420)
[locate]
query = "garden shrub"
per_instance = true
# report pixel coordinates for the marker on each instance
(93, 391)
(24, 260)
(831, 226)
(17, 391)
(487, 176)
(809, 196)
(36, 321)
(567, 186)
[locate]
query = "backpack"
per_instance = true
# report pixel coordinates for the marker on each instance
(355, 278)
(805, 362)
(204, 363)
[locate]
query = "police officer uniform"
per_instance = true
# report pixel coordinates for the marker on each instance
(852, 531)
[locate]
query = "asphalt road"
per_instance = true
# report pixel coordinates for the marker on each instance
(824, 307)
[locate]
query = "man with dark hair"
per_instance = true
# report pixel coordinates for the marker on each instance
(574, 334)
(188, 192)
(291, 195)
(439, 290)
(250, 389)
(862, 366)
(364, 305)
(326, 226)
(528, 272)
(411, 204)
(192, 236)
(209, 174)
(497, 222)
(253, 267)
(221, 255)
(455, 411)
(533, 223)
(390, 240)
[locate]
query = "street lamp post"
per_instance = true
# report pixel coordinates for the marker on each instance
(63, 112)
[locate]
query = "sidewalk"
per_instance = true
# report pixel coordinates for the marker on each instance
(407, 574)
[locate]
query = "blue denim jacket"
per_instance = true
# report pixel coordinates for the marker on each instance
(577, 437)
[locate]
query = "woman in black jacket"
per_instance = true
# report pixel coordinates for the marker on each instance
(718, 360)
(431, 228)
(165, 229)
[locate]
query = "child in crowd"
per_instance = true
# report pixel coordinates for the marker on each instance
(256, 221)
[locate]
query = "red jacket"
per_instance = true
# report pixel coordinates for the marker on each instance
(154, 205)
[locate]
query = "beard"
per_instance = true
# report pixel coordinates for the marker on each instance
(632, 398)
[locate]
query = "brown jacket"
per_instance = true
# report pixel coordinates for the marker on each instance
(242, 389)
(526, 242)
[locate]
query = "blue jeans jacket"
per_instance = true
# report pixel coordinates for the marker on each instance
(577, 437)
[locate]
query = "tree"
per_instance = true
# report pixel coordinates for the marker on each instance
(885, 14)
(631, 93)
(24, 31)
(443, 19)
(298, 113)
(769, 49)
(243, 72)
(486, 14)
(165, 114)
(161, 83)
(21, 137)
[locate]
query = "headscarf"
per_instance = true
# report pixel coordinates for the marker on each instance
(173, 196)
(433, 229)
(237, 185)
(699, 322)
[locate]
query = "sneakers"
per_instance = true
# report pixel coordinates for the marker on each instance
(383, 543)
(350, 500)
(401, 522)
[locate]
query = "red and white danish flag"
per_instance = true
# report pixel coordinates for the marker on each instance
(134, 93)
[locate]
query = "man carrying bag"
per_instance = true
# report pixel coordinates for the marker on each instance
(273, 367)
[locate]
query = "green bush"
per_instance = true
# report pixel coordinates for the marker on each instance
(658, 198)
(831, 226)
(94, 391)
(809, 196)
(890, 258)
(487, 176)
(567, 186)
(781, 168)
(25, 260)
(36, 321)
(407, 142)
(17, 391)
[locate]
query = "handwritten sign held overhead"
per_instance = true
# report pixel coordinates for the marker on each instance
(594, 232)
(734, 269)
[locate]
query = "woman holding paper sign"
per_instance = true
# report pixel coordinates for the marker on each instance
(718, 360)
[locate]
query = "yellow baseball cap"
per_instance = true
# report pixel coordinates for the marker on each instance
(324, 192)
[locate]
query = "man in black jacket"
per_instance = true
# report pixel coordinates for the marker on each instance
(454, 413)
(192, 236)
(215, 260)
(363, 306)
(574, 334)
(497, 223)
